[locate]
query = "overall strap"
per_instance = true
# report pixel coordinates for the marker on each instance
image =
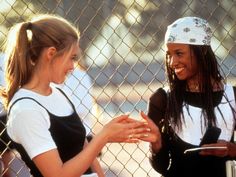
(67, 98)
(22, 98)
(73, 107)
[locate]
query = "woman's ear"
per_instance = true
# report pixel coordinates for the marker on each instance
(51, 52)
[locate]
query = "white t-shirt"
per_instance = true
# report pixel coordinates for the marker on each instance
(29, 122)
(193, 128)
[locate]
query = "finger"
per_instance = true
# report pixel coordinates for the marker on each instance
(141, 134)
(121, 118)
(140, 130)
(219, 153)
(136, 125)
(128, 117)
(222, 142)
(130, 120)
(144, 116)
(131, 139)
(215, 145)
(138, 134)
(148, 138)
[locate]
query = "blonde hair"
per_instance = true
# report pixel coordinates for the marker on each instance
(24, 46)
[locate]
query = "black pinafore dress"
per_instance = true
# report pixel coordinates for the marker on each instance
(68, 133)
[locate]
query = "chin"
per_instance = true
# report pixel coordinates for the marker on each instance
(181, 78)
(58, 82)
(61, 82)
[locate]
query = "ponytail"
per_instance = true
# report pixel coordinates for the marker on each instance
(19, 67)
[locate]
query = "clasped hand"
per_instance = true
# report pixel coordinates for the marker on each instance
(129, 130)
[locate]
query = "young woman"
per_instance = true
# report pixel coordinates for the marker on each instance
(43, 123)
(197, 99)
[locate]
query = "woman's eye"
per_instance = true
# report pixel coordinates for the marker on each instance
(179, 53)
(75, 58)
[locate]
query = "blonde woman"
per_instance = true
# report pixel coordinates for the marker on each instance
(43, 123)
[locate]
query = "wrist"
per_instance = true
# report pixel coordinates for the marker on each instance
(103, 137)
(155, 146)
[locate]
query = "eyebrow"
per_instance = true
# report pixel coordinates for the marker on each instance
(176, 50)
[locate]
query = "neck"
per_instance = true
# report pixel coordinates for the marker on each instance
(40, 81)
(39, 86)
(40, 90)
(194, 86)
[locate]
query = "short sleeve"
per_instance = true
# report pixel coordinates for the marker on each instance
(30, 128)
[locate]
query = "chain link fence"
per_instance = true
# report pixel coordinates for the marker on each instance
(122, 53)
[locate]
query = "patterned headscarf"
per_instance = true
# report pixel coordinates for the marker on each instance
(189, 30)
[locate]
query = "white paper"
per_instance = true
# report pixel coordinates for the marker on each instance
(203, 148)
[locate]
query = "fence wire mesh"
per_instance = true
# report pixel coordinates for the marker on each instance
(122, 62)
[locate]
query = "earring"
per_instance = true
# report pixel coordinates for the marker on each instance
(32, 63)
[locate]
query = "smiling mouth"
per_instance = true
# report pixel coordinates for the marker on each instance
(178, 70)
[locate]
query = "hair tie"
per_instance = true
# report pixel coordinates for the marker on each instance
(28, 25)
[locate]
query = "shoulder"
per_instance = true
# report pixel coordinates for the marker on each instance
(22, 97)
(28, 115)
(159, 94)
(159, 98)
(24, 101)
(26, 112)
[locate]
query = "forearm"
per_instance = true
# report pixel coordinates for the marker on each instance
(86, 157)
(160, 160)
(96, 167)
(74, 167)
(116, 130)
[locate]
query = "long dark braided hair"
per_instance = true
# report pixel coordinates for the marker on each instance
(209, 70)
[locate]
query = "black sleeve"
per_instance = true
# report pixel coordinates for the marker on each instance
(156, 105)
(156, 111)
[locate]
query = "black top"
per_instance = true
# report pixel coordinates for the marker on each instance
(170, 161)
(68, 133)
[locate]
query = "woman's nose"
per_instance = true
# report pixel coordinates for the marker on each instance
(173, 61)
(71, 67)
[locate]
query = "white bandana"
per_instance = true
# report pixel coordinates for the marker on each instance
(189, 30)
